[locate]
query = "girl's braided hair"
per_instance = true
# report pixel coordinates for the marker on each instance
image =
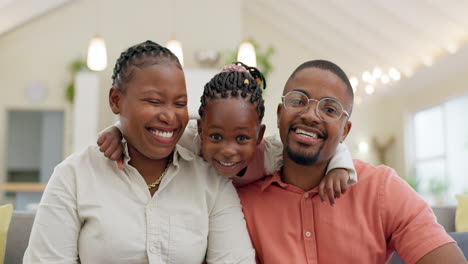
(236, 80)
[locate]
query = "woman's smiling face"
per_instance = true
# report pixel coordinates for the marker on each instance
(153, 110)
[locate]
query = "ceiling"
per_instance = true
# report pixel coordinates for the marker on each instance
(14, 13)
(360, 35)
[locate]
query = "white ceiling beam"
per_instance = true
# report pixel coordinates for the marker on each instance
(5, 3)
(286, 17)
(453, 10)
(337, 23)
(375, 31)
(383, 24)
(316, 51)
(415, 17)
(18, 12)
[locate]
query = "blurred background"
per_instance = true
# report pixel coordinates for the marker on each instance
(407, 60)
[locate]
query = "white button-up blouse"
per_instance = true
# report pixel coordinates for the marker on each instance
(92, 212)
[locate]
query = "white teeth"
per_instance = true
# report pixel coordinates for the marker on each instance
(163, 134)
(305, 133)
(227, 164)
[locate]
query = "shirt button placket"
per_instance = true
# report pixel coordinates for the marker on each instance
(151, 230)
(308, 219)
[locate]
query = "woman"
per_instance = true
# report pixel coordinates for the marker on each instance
(166, 206)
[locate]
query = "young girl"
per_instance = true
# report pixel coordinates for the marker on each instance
(229, 134)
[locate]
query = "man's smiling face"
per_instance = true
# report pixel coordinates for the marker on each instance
(306, 138)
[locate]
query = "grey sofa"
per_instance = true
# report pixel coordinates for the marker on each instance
(18, 236)
(446, 217)
(21, 224)
(460, 237)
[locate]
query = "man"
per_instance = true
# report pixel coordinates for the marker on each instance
(286, 219)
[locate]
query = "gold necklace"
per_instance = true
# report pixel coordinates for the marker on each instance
(158, 181)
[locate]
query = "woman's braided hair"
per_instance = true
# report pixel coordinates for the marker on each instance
(140, 55)
(246, 83)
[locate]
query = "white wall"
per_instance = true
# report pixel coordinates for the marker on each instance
(41, 51)
(390, 114)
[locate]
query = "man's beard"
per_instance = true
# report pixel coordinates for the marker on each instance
(302, 158)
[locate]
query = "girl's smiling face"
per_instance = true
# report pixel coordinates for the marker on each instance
(230, 130)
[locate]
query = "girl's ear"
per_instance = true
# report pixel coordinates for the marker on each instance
(199, 127)
(261, 132)
(115, 95)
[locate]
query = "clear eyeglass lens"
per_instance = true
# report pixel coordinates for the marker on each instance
(328, 109)
(296, 103)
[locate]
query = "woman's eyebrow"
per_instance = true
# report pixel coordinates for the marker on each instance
(162, 94)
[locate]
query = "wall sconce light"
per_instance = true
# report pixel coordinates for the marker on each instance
(246, 54)
(363, 147)
(176, 47)
(173, 44)
(97, 54)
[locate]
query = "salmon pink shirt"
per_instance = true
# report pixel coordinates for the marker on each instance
(378, 215)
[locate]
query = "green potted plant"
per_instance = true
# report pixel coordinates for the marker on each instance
(263, 58)
(75, 66)
(438, 187)
(413, 180)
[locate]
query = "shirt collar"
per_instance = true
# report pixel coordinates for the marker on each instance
(179, 153)
(275, 178)
(182, 153)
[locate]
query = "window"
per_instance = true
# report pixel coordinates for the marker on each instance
(440, 154)
(34, 147)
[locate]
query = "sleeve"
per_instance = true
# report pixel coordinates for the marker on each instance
(56, 228)
(273, 154)
(410, 225)
(118, 126)
(228, 239)
(255, 170)
(343, 160)
(190, 139)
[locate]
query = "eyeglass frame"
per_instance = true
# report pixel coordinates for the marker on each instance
(306, 108)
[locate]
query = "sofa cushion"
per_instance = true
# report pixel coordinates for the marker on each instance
(461, 218)
(18, 236)
(5, 218)
(445, 215)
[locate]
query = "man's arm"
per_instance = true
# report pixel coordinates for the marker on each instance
(228, 239)
(411, 225)
(448, 253)
(54, 236)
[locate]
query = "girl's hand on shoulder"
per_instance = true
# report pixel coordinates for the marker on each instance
(333, 185)
(110, 143)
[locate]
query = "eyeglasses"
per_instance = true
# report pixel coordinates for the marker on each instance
(328, 109)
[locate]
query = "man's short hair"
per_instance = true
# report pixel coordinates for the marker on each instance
(328, 66)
